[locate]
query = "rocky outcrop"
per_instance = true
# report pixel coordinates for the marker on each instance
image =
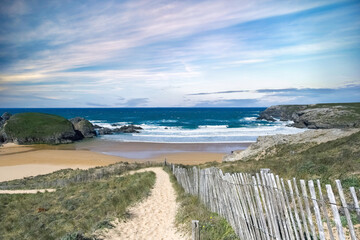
(281, 112)
(130, 129)
(83, 126)
(104, 131)
(30, 128)
(316, 116)
(124, 129)
(267, 145)
(4, 117)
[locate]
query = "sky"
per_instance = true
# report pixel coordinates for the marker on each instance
(178, 53)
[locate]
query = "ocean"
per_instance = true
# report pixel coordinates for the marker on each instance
(177, 125)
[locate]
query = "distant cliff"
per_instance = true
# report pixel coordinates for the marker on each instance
(316, 116)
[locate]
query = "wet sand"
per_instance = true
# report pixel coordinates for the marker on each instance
(22, 161)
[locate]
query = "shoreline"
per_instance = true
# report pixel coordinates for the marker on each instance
(18, 161)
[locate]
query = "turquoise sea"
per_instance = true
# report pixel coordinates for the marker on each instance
(177, 125)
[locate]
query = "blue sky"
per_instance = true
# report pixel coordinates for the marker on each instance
(178, 53)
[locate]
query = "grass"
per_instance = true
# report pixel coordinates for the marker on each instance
(352, 108)
(212, 226)
(64, 177)
(38, 127)
(74, 211)
(338, 159)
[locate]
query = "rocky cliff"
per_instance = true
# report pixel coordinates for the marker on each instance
(316, 116)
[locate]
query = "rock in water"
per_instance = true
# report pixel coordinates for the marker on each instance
(104, 131)
(83, 126)
(130, 129)
(29, 128)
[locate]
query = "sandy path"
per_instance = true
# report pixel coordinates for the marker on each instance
(154, 217)
(26, 191)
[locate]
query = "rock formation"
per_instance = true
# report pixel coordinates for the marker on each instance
(318, 116)
(29, 128)
(85, 127)
(123, 129)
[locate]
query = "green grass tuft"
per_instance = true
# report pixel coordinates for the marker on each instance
(338, 159)
(72, 212)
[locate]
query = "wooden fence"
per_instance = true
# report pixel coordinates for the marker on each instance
(265, 206)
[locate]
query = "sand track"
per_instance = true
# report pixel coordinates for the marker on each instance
(26, 191)
(152, 218)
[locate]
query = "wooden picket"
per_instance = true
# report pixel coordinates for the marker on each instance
(263, 207)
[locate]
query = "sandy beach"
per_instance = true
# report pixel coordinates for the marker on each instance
(18, 161)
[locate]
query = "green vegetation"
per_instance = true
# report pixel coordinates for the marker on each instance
(351, 111)
(74, 211)
(65, 177)
(338, 159)
(212, 225)
(39, 128)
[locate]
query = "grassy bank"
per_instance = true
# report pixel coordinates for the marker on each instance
(65, 177)
(38, 128)
(80, 207)
(338, 159)
(190, 208)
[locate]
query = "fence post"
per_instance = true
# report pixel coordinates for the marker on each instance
(195, 230)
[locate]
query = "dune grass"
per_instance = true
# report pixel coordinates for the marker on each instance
(74, 211)
(64, 177)
(338, 159)
(212, 226)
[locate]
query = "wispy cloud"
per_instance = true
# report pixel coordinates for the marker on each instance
(144, 50)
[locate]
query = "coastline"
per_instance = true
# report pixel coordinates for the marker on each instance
(18, 161)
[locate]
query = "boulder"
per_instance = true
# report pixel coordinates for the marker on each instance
(30, 128)
(130, 129)
(104, 131)
(85, 128)
(124, 129)
(4, 117)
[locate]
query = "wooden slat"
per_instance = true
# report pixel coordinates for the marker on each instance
(316, 210)
(303, 216)
(356, 202)
(273, 205)
(346, 210)
(289, 210)
(335, 212)
(326, 215)
(293, 201)
(278, 207)
(251, 207)
(271, 216)
(260, 209)
(264, 204)
(307, 208)
(245, 206)
(287, 222)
